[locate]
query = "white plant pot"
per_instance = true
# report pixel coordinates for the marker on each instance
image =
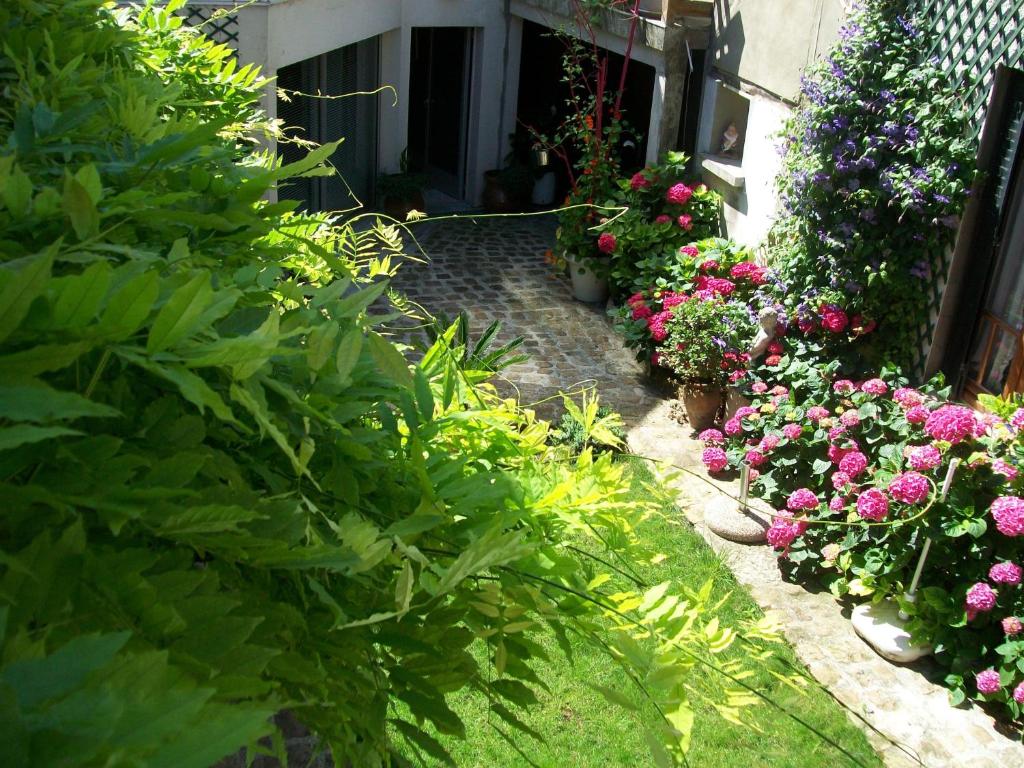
(544, 189)
(586, 286)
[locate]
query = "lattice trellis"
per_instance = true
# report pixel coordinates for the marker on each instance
(215, 23)
(970, 38)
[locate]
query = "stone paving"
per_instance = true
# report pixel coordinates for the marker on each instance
(494, 269)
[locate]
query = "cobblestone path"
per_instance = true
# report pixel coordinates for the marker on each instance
(494, 270)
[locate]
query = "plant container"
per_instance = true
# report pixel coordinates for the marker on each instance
(587, 286)
(701, 403)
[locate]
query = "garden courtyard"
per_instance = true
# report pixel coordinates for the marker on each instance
(494, 269)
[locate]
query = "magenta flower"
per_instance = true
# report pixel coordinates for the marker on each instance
(783, 532)
(816, 413)
(980, 598)
(711, 437)
(924, 457)
(987, 681)
(837, 504)
(918, 414)
(792, 431)
(759, 387)
(910, 488)
(843, 386)
(1012, 626)
(743, 411)
(686, 222)
(951, 423)
(606, 242)
(802, 498)
(908, 397)
(733, 427)
(833, 318)
(1005, 468)
(639, 181)
(836, 432)
(853, 463)
(874, 387)
(839, 480)
(849, 419)
(663, 219)
(769, 442)
(1006, 573)
(1017, 420)
(872, 504)
(714, 459)
(1018, 693)
(679, 194)
(755, 458)
(1008, 512)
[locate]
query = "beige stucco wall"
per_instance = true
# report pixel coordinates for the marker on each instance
(768, 43)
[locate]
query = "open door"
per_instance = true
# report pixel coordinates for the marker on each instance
(439, 105)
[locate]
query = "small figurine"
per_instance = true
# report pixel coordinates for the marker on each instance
(729, 139)
(767, 319)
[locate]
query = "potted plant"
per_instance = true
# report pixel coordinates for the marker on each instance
(703, 346)
(401, 192)
(585, 252)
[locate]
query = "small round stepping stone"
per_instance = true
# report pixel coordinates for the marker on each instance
(880, 626)
(725, 518)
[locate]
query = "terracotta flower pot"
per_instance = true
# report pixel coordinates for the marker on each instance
(734, 400)
(701, 402)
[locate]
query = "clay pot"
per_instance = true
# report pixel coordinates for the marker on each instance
(701, 402)
(733, 402)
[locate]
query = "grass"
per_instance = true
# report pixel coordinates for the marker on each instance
(581, 729)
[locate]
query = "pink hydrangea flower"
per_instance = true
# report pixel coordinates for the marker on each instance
(837, 503)
(755, 458)
(753, 474)
(806, 325)
(759, 387)
(784, 531)
(910, 488)
(1017, 420)
(924, 457)
(743, 411)
(1012, 626)
(769, 442)
(987, 681)
(1005, 468)
(792, 431)
(663, 219)
(853, 463)
(641, 312)
(849, 418)
(691, 251)
(918, 414)
(670, 300)
(1018, 693)
(1006, 573)
(833, 318)
(778, 389)
(843, 386)
(714, 459)
(636, 298)
(1008, 512)
(951, 423)
(872, 504)
(606, 242)
(711, 437)
(908, 397)
(686, 222)
(816, 413)
(679, 194)
(733, 427)
(874, 387)
(708, 265)
(981, 597)
(840, 479)
(802, 498)
(656, 325)
(836, 432)
(639, 181)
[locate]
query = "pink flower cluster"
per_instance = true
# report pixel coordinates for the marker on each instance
(873, 505)
(816, 413)
(910, 488)
(784, 531)
(606, 242)
(833, 318)
(1008, 512)
(711, 437)
(1006, 573)
(685, 222)
(792, 431)
(693, 253)
(639, 181)
(988, 681)
(980, 599)
(1005, 468)
(1012, 626)
(908, 397)
(707, 287)
(802, 498)
(656, 325)
(850, 418)
(844, 387)
(748, 270)
(1017, 420)
(714, 459)
(853, 463)
(951, 423)
(679, 194)
(918, 414)
(924, 457)
(874, 387)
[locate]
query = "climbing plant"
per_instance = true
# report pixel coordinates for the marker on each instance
(225, 490)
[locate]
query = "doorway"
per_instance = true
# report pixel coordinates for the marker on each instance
(440, 82)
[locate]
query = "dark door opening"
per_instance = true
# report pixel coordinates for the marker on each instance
(439, 93)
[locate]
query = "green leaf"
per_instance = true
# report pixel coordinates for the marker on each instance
(320, 344)
(423, 740)
(40, 403)
(22, 434)
(348, 352)
(355, 303)
(80, 208)
(129, 307)
(17, 193)
(79, 297)
(89, 178)
(180, 315)
(29, 363)
(21, 288)
(389, 360)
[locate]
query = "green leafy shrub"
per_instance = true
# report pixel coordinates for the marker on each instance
(589, 424)
(226, 493)
(877, 166)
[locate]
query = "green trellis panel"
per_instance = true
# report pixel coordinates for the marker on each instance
(969, 37)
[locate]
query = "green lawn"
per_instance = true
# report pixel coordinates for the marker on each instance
(581, 729)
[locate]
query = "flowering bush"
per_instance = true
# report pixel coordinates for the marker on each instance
(662, 214)
(704, 338)
(879, 474)
(876, 170)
